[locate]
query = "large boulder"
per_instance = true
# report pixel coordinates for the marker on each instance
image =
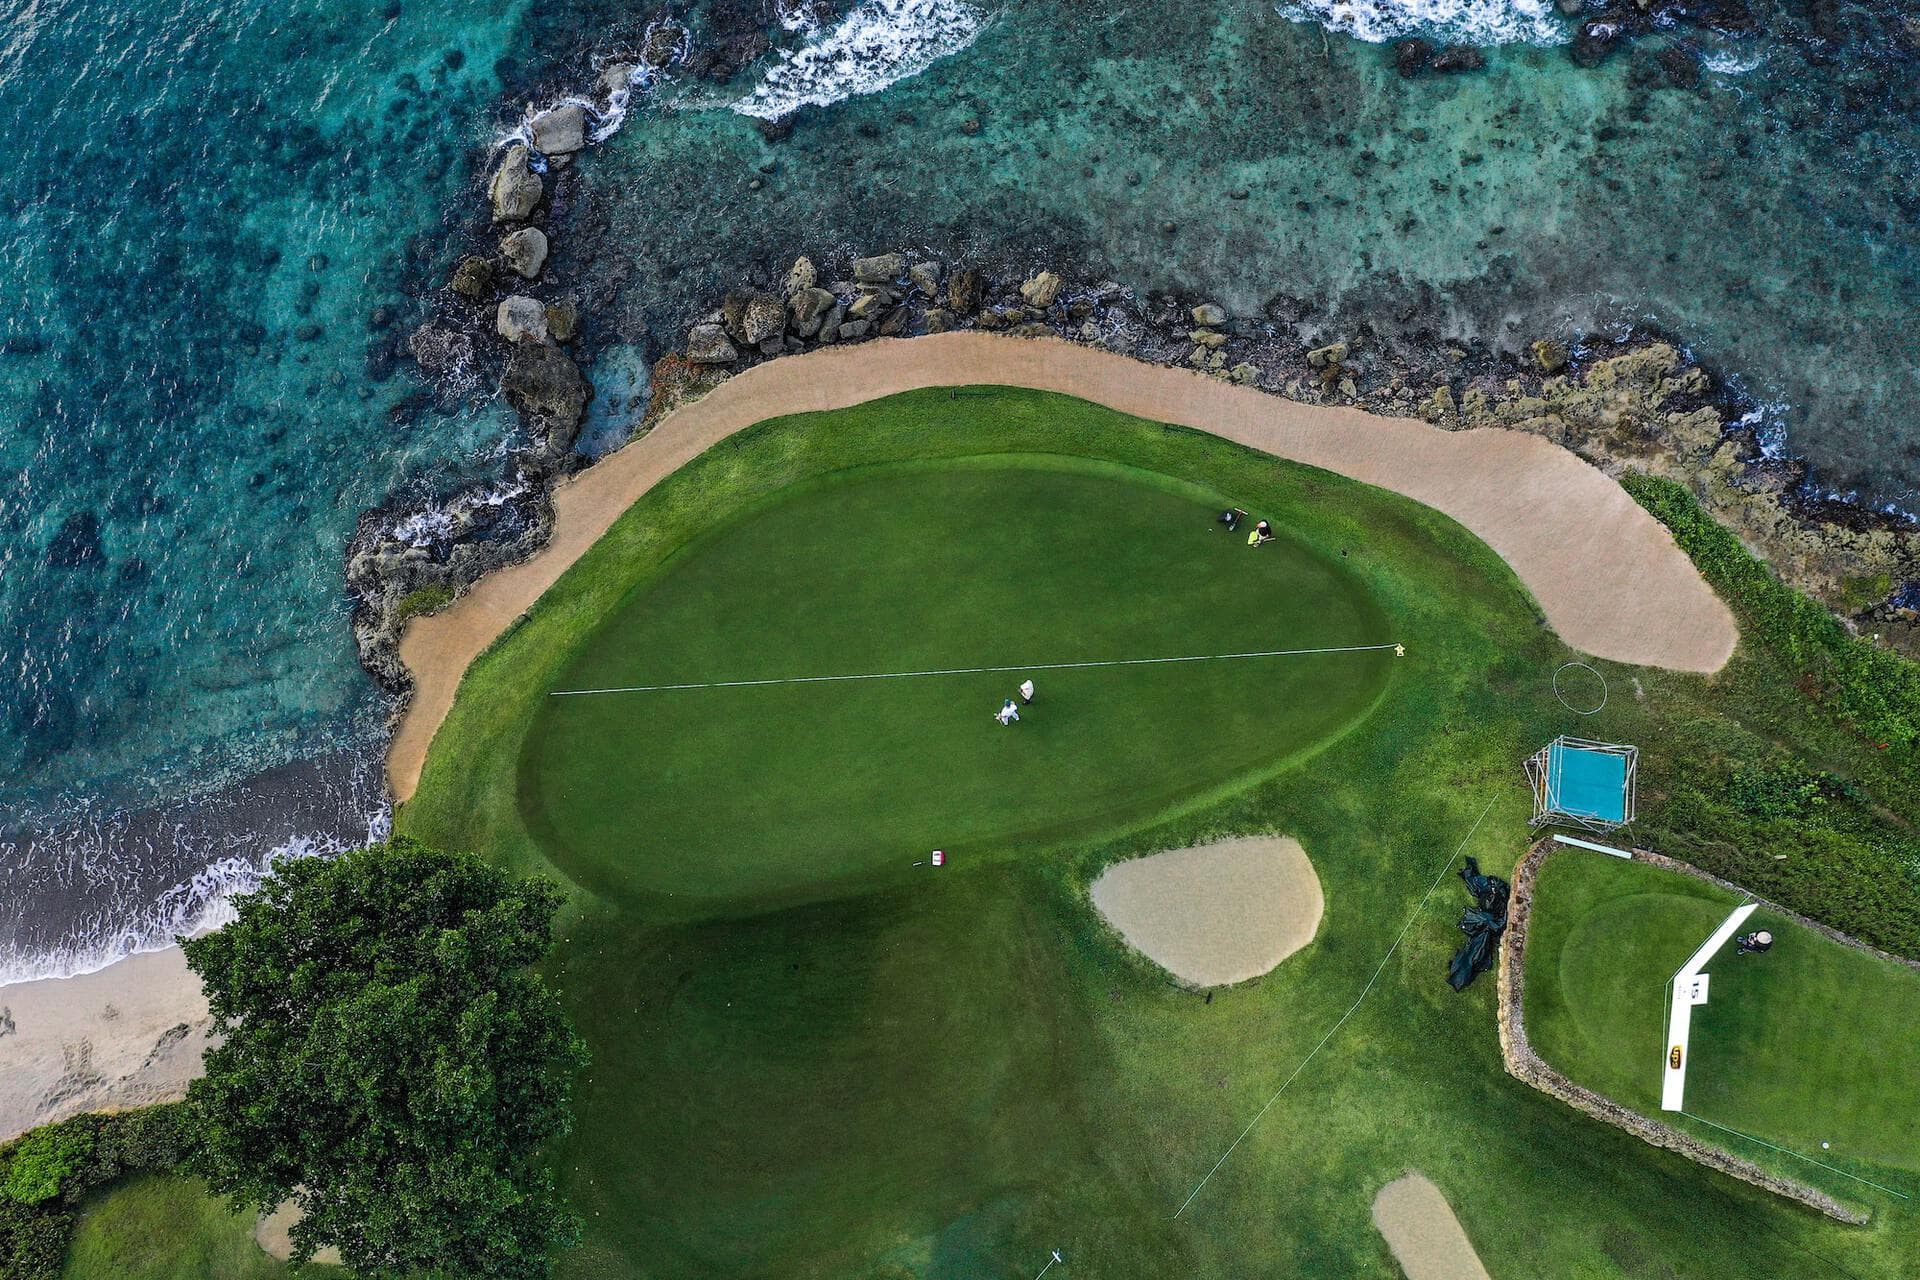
(925, 277)
(1209, 315)
(1597, 38)
(808, 308)
(1456, 58)
(521, 319)
(1041, 289)
(515, 188)
(753, 317)
(525, 251)
(563, 320)
(883, 268)
(559, 131)
(473, 278)
(804, 275)
(708, 344)
(545, 388)
(963, 291)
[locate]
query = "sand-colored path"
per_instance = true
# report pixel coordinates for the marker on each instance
(1607, 575)
(1425, 1237)
(1215, 913)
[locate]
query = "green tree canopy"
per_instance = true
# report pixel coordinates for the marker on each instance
(390, 1062)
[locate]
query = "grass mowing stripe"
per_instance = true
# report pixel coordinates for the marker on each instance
(1378, 969)
(1796, 1155)
(974, 671)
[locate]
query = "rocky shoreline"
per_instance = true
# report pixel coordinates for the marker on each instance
(504, 318)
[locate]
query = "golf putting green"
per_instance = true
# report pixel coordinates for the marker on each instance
(745, 791)
(1811, 1042)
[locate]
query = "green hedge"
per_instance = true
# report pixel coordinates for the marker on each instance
(46, 1174)
(1869, 689)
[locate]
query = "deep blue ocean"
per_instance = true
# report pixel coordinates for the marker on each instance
(222, 218)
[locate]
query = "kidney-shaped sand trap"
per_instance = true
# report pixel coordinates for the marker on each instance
(1215, 913)
(1425, 1237)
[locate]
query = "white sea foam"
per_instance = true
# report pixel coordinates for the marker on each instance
(1477, 22)
(202, 902)
(878, 43)
(1732, 62)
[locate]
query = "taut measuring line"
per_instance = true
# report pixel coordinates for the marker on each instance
(973, 671)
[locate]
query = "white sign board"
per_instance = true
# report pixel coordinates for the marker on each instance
(1689, 988)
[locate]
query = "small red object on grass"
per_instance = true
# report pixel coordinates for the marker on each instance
(939, 857)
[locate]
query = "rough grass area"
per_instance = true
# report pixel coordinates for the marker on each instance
(1811, 1042)
(945, 1074)
(159, 1227)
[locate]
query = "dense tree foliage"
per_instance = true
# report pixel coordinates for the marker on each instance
(391, 1062)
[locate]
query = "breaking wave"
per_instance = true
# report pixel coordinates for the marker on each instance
(1476, 22)
(878, 43)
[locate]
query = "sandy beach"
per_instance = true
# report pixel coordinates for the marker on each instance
(127, 1036)
(1607, 576)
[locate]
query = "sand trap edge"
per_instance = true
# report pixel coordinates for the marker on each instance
(1424, 1233)
(1214, 914)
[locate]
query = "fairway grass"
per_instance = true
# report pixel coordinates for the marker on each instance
(159, 1227)
(951, 1073)
(1813, 1042)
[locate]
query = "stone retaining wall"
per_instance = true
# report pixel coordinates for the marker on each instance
(1525, 1065)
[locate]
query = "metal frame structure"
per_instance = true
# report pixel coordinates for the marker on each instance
(1544, 776)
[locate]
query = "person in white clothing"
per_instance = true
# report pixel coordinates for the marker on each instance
(1008, 713)
(1026, 691)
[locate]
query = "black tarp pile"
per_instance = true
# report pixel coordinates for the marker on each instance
(1483, 923)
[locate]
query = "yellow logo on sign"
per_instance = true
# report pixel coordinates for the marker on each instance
(1673, 1059)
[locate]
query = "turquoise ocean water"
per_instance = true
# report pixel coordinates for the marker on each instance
(221, 218)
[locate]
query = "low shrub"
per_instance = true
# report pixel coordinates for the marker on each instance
(1873, 691)
(46, 1174)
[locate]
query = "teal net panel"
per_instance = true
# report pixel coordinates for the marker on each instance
(1582, 783)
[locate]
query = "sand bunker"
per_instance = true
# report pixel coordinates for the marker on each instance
(274, 1233)
(1215, 913)
(1607, 575)
(1425, 1237)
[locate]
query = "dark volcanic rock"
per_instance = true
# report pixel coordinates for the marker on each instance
(963, 291)
(1681, 66)
(1456, 58)
(473, 278)
(1412, 56)
(545, 388)
(1598, 37)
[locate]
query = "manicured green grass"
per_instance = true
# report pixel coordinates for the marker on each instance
(158, 1227)
(1811, 1042)
(738, 793)
(951, 1074)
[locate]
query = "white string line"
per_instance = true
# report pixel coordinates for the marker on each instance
(1795, 1154)
(1411, 917)
(971, 671)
